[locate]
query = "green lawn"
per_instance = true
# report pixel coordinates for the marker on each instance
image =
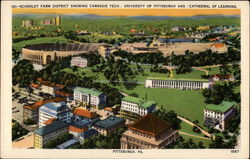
(188, 103)
(21, 44)
(196, 140)
(189, 129)
(195, 74)
(213, 70)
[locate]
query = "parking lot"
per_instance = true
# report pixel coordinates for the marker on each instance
(18, 101)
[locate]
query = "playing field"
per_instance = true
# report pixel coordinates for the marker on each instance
(21, 44)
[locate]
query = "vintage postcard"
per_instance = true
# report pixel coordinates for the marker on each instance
(125, 79)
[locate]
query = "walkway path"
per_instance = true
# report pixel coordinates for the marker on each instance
(200, 137)
(192, 124)
(200, 69)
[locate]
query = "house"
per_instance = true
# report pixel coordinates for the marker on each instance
(58, 111)
(177, 83)
(111, 110)
(50, 88)
(31, 111)
(149, 132)
(78, 127)
(49, 132)
(133, 108)
(108, 125)
(81, 114)
(219, 47)
(79, 62)
(221, 77)
(218, 116)
(89, 97)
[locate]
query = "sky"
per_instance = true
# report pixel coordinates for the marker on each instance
(132, 12)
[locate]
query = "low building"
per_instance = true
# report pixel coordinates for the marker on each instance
(108, 125)
(58, 111)
(177, 83)
(78, 127)
(218, 116)
(51, 88)
(49, 132)
(67, 144)
(219, 48)
(149, 132)
(87, 134)
(31, 111)
(90, 97)
(133, 108)
(111, 110)
(60, 93)
(78, 61)
(220, 77)
(83, 114)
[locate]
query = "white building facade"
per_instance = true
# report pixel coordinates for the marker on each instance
(78, 61)
(217, 116)
(89, 96)
(177, 84)
(54, 110)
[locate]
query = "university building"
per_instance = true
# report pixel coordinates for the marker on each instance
(177, 83)
(108, 125)
(58, 111)
(51, 88)
(32, 111)
(49, 132)
(133, 108)
(218, 116)
(149, 132)
(89, 97)
(78, 61)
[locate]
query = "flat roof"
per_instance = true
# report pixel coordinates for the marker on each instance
(109, 122)
(139, 101)
(176, 79)
(223, 107)
(45, 130)
(88, 91)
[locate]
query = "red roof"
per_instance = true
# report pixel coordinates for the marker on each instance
(76, 129)
(35, 85)
(50, 121)
(221, 76)
(151, 125)
(42, 102)
(219, 45)
(62, 93)
(132, 31)
(85, 113)
(109, 109)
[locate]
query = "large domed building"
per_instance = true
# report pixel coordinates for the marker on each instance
(45, 53)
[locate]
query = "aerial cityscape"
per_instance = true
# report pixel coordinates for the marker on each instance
(92, 81)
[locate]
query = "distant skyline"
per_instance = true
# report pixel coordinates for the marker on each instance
(131, 12)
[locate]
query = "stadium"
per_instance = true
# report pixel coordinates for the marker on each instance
(44, 53)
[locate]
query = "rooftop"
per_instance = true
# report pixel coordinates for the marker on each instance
(50, 121)
(177, 79)
(223, 107)
(219, 45)
(45, 130)
(132, 99)
(109, 122)
(88, 91)
(42, 102)
(139, 101)
(150, 124)
(55, 106)
(85, 113)
(88, 133)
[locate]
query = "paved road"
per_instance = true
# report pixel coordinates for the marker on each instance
(192, 124)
